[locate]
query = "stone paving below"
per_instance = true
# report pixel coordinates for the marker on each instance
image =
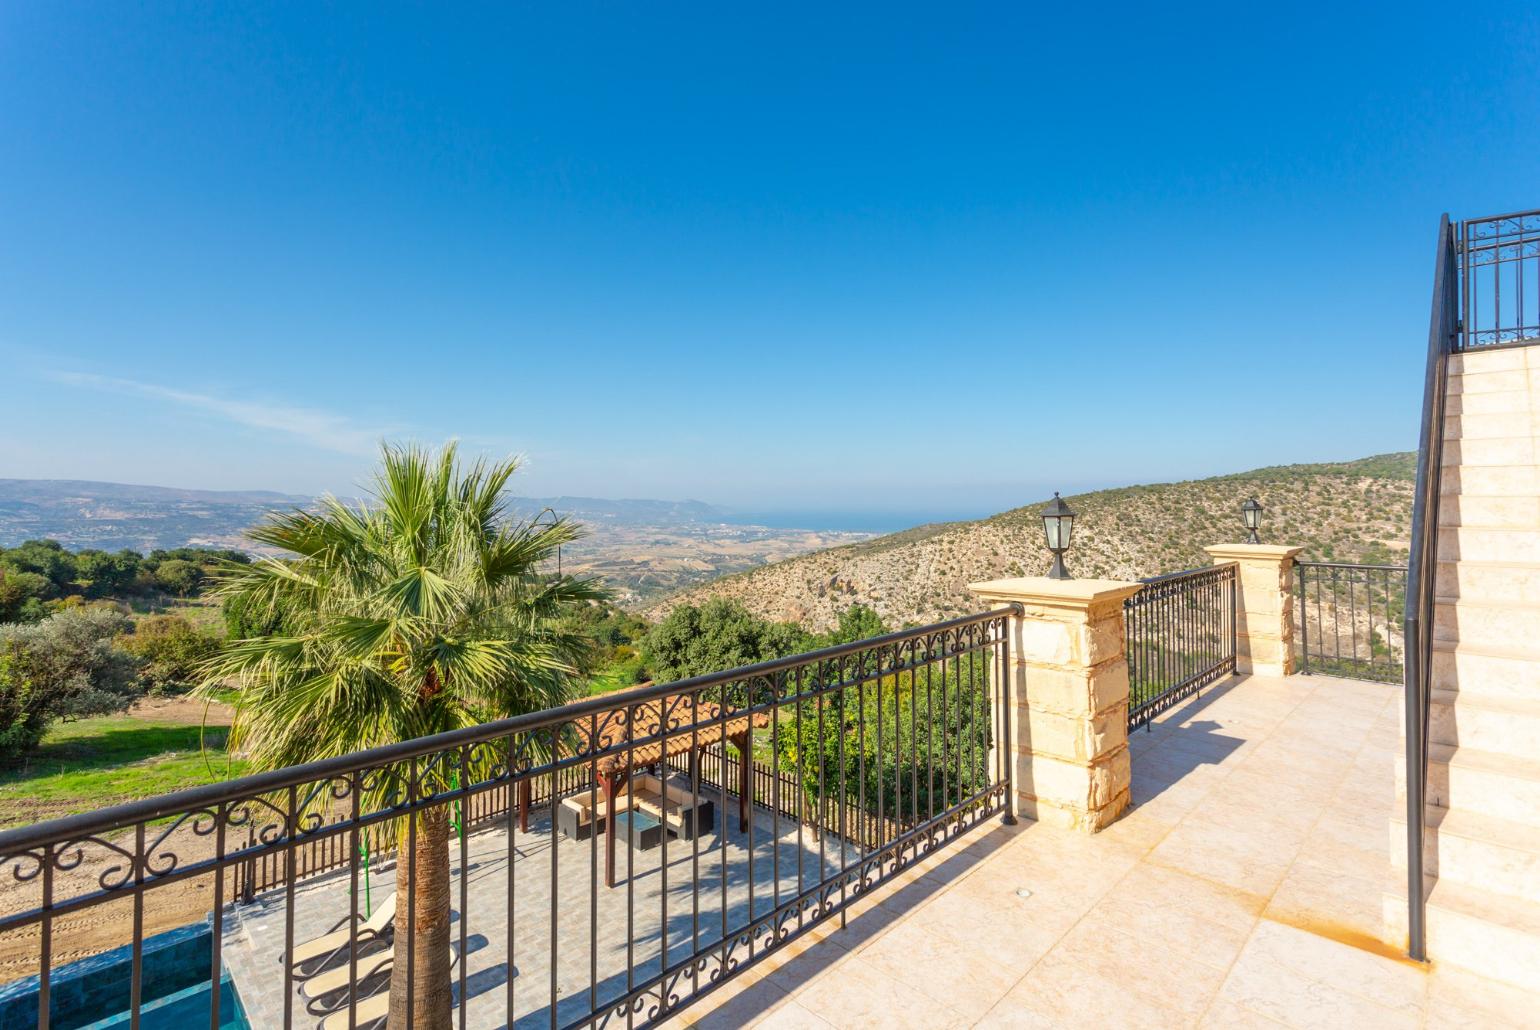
(590, 967)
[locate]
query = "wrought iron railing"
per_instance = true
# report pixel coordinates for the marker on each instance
(905, 734)
(1500, 281)
(1349, 620)
(1444, 335)
(1179, 637)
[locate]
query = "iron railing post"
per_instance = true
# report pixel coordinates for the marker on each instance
(1304, 623)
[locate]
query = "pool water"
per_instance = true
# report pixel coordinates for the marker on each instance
(94, 993)
(186, 1008)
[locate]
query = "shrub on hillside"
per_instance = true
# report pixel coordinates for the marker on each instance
(170, 651)
(719, 635)
(248, 618)
(179, 576)
(22, 594)
(68, 666)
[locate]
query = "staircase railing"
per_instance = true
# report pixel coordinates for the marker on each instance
(1443, 334)
(1499, 281)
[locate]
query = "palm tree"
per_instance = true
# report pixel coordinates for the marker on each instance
(422, 610)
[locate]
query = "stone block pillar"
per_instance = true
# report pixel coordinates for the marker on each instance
(1264, 606)
(1068, 697)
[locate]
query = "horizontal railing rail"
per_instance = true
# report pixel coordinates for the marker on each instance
(1349, 620)
(641, 887)
(1179, 637)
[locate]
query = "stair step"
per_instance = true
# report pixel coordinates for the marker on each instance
(1479, 850)
(1494, 935)
(1473, 381)
(1490, 582)
(1459, 543)
(1510, 672)
(1490, 425)
(1486, 481)
(1508, 726)
(1475, 512)
(1492, 402)
(1497, 452)
(1506, 359)
(1472, 622)
(1467, 780)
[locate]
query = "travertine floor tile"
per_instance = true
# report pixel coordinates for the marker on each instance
(1243, 889)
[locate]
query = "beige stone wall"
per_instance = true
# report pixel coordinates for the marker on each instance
(1264, 608)
(1069, 698)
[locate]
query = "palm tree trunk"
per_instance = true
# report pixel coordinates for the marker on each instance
(422, 875)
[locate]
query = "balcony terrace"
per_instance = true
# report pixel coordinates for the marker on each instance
(1089, 803)
(1244, 887)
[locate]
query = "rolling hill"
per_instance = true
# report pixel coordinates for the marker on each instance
(1347, 511)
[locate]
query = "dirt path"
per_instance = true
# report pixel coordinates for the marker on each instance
(187, 711)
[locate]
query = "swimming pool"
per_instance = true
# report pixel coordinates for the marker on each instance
(94, 993)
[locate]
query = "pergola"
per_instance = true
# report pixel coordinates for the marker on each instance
(692, 723)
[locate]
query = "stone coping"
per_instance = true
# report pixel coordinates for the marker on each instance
(1240, 552)
(1076, 593)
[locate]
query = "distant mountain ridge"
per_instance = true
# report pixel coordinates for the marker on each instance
(1347, 511)
(44, 491)
(640, 511)
(640, 548)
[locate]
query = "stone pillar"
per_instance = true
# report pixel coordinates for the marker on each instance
(1068, 690)
(1264, 606)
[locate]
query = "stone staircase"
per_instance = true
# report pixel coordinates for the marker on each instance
(1482, 847)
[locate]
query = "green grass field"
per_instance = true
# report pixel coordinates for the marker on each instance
(94, 763)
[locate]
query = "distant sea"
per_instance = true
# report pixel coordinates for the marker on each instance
(848, 521)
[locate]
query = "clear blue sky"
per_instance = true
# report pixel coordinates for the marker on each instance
(815, 257)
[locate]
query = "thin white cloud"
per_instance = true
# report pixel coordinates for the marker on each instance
(319, 428)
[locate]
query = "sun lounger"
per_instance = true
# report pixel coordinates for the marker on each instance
(341, 976)
(312, 955)
(372, 1009)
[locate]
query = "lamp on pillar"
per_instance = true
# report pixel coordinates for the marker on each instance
(1058, 524)
(1251, 512)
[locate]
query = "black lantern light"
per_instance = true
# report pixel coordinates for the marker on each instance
(1058, 523)
(1251, 512)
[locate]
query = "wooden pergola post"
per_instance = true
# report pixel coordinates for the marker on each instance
(524, 803)
(741, 742)
(610, 785)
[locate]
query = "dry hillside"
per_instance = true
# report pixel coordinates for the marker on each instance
(1349, 511)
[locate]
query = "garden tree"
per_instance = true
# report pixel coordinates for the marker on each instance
(171, 652)
(617, 636)
(248, 617)
(47, 558)
(67, 666)
(179, 576)
(423, 610)
(858, 622)
(934, 739)
(21, 595)
(720, 634)
(107, 575)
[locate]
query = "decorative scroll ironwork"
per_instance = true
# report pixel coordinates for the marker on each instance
(1500, 281)
(1179, 637)
(830, 772)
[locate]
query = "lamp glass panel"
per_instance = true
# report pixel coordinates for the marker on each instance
(1051, 531)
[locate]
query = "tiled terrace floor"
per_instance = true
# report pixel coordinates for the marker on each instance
(1242, 889)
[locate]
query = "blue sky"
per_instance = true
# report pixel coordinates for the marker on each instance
(795, 257)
